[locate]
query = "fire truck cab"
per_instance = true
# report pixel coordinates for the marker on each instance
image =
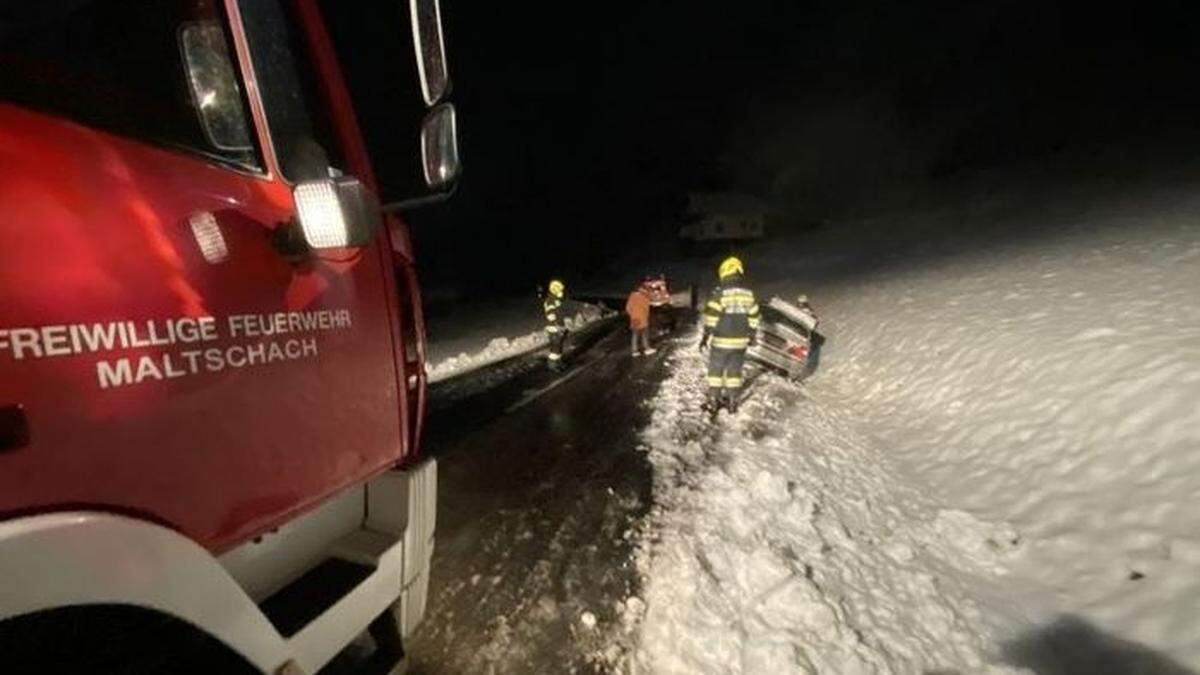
(211, 343)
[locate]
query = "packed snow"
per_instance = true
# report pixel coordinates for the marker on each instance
(780, 542)
(474, 337)
(1004, 439)
(1055, 386)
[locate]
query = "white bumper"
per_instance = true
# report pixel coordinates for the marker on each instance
(81, 558)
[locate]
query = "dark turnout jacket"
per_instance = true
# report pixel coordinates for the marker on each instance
(552, 306)
(731, 314)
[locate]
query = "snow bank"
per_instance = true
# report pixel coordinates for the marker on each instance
(1038, 384)
(1055, 384)
(781, 542)
(500, 348)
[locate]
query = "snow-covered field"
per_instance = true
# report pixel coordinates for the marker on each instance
(480, 335)
(1004, 439)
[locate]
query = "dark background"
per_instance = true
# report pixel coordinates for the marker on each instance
(584, 126)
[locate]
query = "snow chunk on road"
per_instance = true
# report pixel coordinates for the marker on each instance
(782, 543)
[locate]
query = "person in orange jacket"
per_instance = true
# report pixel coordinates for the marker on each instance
(638, 309)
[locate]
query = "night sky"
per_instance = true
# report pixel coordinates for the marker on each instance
(583, 128)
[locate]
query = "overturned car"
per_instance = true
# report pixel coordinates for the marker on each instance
(787, 338)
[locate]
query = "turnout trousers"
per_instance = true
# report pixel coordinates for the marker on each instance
(725, 372)
(558, 340)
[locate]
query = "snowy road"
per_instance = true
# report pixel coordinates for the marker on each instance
(769, 547)
(535, 516)
(995, 469)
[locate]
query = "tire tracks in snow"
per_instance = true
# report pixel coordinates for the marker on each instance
(781, 541)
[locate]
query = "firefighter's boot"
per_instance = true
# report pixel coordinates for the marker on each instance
(712, 402)
(733, 398)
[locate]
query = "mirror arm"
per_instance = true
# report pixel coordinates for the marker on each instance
(417, 202)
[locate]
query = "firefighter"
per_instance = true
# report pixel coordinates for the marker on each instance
(556, 326)
(731, 319)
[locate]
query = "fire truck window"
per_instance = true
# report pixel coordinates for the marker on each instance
(213, 83)
(116, 65)
(297, 114)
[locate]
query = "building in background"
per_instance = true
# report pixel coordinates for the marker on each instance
(723, 217)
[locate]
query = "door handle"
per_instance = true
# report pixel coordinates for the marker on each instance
(14, 428)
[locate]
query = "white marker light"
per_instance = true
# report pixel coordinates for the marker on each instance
(320, 214)
(208, 237)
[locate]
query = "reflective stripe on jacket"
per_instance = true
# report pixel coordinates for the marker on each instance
(553, 309)
(731, 315)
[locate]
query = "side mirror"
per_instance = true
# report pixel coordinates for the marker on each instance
(213, 84)
(439, 146)
(440, 163)
(394, 59)
(430, 46)
(439, 166)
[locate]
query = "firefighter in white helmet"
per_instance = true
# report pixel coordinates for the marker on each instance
(731, 318)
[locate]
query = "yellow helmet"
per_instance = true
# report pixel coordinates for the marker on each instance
(729, 267)
(556, 288)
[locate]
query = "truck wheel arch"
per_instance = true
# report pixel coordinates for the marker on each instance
(70, 559)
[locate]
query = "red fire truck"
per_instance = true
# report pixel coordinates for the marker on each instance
(211, 342)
